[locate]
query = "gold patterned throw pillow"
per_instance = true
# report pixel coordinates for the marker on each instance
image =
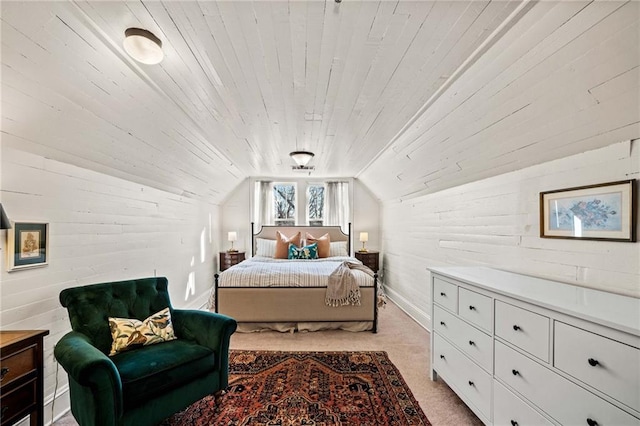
(128, 333)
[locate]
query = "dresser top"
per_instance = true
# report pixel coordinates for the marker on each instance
(9, 337)
(608, 309)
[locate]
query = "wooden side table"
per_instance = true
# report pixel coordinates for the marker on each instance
(369, 258)
(230, 258)
(21, 376)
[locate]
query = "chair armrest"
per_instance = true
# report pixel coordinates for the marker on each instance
(207, 329)
(89, 367)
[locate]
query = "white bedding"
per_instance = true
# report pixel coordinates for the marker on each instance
(261, 271)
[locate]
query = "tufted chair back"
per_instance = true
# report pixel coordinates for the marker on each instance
(90, 306)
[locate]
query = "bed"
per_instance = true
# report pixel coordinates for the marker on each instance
(290, 295)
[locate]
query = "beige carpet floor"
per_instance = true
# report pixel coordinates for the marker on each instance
(402, 338)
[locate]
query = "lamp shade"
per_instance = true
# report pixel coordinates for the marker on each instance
(5, 223)
(143, 46)
(364, 237)
(301, 158)
(232, 236)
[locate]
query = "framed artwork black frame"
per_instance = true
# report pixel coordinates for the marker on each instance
(28, 245)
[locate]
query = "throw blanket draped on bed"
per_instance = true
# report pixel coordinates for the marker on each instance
(342, 288)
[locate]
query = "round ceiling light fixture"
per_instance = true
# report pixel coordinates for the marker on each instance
(301, 158)
(143, 46)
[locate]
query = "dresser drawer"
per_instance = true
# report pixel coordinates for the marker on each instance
(564, 401)
(463, 375)
(18, 401)
(473, 342)
(18, 364)
(524, 329)
(229, 259)
(510, 410)
(369, 259)
(475, 308)
(607, 365)
(445, 294)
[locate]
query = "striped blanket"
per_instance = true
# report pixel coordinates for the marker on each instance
(268, 272)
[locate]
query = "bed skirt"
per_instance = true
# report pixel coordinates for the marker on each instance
(295, 308)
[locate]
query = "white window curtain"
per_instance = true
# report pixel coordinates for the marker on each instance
(263, 214)
(336, 205)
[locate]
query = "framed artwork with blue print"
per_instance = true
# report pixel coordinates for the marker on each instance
(28, 245)
(604, 212)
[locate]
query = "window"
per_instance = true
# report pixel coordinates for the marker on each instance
(319, 204)
(315, 204)
(284, 204)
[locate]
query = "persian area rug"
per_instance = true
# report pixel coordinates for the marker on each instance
(308, 388)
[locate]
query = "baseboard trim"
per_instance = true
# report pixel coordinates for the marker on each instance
(60, 415)
(50, 405)
(418, 315)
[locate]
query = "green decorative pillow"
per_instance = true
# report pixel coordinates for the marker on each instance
(130, 333)
(306, 252)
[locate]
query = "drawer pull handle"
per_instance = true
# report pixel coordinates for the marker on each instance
(442, 323)
(517, 328)
(591, 422)
(472, 308)
(514, 423)
(472, 343)
(593, 362)
(441, 356)
(4, 410)
(3, 372)
(515, 372)
(471, 383)
(443, 294)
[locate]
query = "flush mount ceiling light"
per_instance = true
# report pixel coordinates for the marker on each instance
(302, 158)
(143, 46)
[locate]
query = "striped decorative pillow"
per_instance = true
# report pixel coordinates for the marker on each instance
(266, 248)
(338, 248)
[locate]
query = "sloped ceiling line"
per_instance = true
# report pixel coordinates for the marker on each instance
(486, 44)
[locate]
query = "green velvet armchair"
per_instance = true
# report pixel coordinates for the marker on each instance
(145, 385)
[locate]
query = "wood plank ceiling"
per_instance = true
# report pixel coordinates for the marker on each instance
(243, 83)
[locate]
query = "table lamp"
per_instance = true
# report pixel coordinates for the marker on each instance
(364, 237)
(232, 236)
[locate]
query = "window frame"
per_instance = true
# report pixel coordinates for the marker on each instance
(301, 217)
(296, 195)
(308, 202)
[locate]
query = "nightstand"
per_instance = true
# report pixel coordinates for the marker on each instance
(369, 258)
(230, 258)
(21, 362)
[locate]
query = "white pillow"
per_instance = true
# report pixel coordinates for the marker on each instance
(266, 248)
(338, 248)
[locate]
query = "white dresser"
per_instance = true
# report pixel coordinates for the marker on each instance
(520, 350)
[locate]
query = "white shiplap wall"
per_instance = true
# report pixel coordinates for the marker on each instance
(494, 222)
(102, 229)
(236, 216)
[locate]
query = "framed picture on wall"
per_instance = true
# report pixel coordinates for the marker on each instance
(605, 211)
(28, 245)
